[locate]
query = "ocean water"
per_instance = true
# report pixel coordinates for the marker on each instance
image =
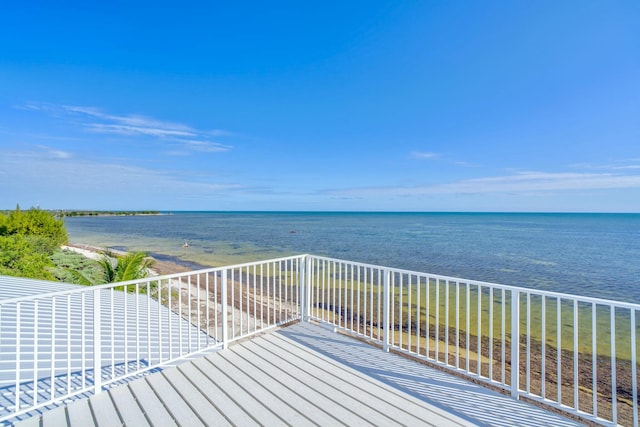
(587, 254)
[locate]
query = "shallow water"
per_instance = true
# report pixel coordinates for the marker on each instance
(587, 254)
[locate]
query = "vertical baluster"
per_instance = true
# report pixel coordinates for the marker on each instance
(159, 319)
(446, 321)
(19, 355)
(180, 316)
(409, 312)
(231, 287)
(137, 326)
(503, 343)
(437, 350)
(113, 333)
(189, 314)
(427, 291)
(68, 344)
(594, 357)
(418, 308)
(576, 380)
(262, 296)
(371, 276)
(198, 312)
(614, 382)
(491, 303)
(634, 377)
(255, 311)
(515, 342)
(126, 331)
(148, 321)
(68, 341)
(224, 329)
(36, 332)
(543, 343)
(479, 355)
(169, 320)
(97, 341)
(559, 347)
(457, 324)
(352, 304)
(385, 313)
(207, 308)
(528, 375)
(468, 328)
(359, 298)
(339, 307)
(400, 315)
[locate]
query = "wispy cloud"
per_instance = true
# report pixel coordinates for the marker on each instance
(520, 182)
(56, 154)
(186, 138)
(76, 176)
(618, 165)
(424, 155)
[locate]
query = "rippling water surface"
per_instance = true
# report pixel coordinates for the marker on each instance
(587, 254)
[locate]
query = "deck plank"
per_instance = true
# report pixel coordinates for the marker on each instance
(151, 405)
(198, 402)
(104, 411)
(55, 418)
(80, 414)
(128, 407)
(172, 400)
(234, 413)
(256, 409)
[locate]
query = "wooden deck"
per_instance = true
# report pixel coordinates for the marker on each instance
(300, 375)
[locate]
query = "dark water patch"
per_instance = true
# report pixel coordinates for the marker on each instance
(184, 263)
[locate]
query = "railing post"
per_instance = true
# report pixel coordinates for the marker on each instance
(515, 344)
(225, 307)
(386, 298)
(97, 342)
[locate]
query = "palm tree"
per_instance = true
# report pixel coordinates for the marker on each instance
(115, 268)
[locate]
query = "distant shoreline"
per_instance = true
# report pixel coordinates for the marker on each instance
(73, 213)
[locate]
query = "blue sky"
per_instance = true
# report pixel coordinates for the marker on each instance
(384, 105)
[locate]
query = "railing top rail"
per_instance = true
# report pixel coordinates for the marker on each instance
(551, 294)
(561, 295)
(84, 289)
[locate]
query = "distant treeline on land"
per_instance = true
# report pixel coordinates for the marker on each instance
(62, 213)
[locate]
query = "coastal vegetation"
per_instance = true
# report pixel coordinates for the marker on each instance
(28, 239)
(30, 246)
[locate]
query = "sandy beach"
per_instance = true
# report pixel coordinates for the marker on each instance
(160, 268)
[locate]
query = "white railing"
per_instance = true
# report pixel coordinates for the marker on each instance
(59, 345)
(574, 353)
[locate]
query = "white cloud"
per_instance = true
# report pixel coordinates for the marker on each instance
(62, 174)
(516, 183)
(94, 120)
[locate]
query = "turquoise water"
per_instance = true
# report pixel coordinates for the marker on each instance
(587, 254)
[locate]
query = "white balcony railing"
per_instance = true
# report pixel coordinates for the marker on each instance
(574, 353)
